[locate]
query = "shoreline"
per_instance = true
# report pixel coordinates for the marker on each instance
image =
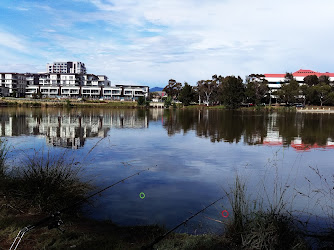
(329, 110)
(74, 103)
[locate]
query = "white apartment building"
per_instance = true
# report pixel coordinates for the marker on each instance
(90, 80)
(4, 91)
(66, 67)
(91, 92)
(15, 82)
(133, 92)
(112, 93)
(67, 79)
(95, 80)
(103, 81)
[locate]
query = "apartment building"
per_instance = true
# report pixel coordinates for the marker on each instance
(15, 82)
(4, 91)
(133, 92)
(67, 79)
(95, 80)
(66, 67)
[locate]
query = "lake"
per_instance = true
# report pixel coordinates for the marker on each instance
(193, 158)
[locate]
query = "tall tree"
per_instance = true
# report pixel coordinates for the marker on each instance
(288, 77)
(256, 90)
(173, 88)
(324, 79)
(323, 90)
(206, 90)
(289, 91)
(232, 91)
(309, 93)
(311, 80)
(187, 94)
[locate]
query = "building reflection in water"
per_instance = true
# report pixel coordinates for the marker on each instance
(68, 129)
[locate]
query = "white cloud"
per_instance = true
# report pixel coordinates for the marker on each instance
(12, 41)
(152, 41)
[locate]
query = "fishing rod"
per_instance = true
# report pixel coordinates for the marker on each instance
(158, 239)
(55, 217)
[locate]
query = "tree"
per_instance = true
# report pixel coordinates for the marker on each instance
(311, 80)
(324, 79)
(141, 101)
(168, 101)
(288, 77)
(206, 89)
(256, 90)
(289, 91)
(173, 88)
(310, 94)
(232, 91)
(186, 94)
(322, 90)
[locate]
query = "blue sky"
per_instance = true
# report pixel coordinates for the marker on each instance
(151, 41)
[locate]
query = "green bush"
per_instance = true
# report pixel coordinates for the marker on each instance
(47, 183)
(256, 227)
(168, 102)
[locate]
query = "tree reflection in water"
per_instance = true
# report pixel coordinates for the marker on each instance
(252, 128)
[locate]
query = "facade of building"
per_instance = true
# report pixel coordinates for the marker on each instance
(66, 67)
(15, 82)
(133, 92)
(95, 80)
(67, 79)
(4, 91)
(275, 81)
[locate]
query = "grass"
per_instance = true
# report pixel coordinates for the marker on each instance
(255, 226)
(67, 103)
(45, 182)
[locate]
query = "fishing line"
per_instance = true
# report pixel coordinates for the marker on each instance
(158, 239)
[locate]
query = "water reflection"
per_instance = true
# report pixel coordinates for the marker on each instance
(301, 131)
(70, 128)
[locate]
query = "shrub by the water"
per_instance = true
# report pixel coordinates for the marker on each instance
(255, 227)
(46, 183)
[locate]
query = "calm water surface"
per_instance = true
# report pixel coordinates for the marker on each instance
(193, 156)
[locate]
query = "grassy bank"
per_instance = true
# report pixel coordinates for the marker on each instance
(68, 103)
(83, 233)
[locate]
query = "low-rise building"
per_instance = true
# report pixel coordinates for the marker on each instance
(15, 82)
(4, 91)
(275, 80)
(133, 92)
(112, 93)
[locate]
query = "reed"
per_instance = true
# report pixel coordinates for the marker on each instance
(261, 222)
(46, 182)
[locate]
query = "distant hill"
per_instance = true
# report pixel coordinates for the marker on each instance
(156, 89)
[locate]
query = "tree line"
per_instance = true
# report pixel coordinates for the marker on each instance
(232, 91)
